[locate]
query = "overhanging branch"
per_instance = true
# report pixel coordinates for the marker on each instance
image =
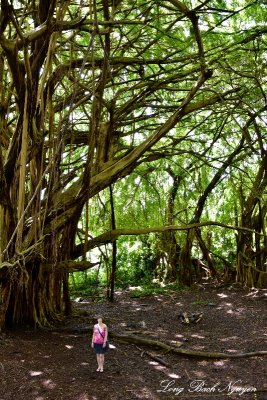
(110, 236)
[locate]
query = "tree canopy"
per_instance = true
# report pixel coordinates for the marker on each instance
(164, 102)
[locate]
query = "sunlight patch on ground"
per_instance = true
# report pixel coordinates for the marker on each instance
(199, 347)
(203, 363)
(162, 331)
(165, 369)
(222, 295)
(157, 365)
(200, 374)
(84, 396)
(254, 293)
(35, 373)
(219, 363)
(227, 339)
(178, 335)
(48, 384)
(233, 312)
(174, 376)
(223, 305)
(159, 299)
(195, 335)
(144, 393)
(179, 304)
(176, 343)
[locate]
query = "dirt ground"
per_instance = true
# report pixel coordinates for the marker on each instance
(60, 364)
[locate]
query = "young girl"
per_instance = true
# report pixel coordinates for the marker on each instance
(99, 342)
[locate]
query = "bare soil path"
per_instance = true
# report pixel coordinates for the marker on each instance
(59, 364)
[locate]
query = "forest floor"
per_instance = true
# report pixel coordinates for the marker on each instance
(60, 364)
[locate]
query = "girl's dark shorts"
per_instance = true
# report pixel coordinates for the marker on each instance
(99, 349)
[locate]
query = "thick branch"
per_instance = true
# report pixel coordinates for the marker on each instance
(177, 350)
(110, 236)
(73, 266)
(112, 171)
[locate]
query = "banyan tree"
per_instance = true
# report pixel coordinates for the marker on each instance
(90, 90)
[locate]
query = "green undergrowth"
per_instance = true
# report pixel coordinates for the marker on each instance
(96, 290)
(154, 289)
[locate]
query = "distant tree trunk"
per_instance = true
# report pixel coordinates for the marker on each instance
(206, 253)
(168, 243)
(185, 261)
(251, 248)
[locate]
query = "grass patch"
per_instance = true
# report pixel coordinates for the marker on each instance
(199, 303)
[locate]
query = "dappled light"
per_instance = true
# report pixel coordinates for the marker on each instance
(203, 363)
(118, 293)
(174, 376)
(200, 374)
(157, 365)
(229, 338)
(232, 350)
(61, 364)
(36, 373)
(180, 304)
(220, 364)
(131, 288)
(49, 384)
(175, 343)
(256, 292)
(199, 347)
(198, 336)
(225, 305)
(159, 298)
(236, 312)
(222, 295)
(141, 394)
(85, 396)
(69, 347)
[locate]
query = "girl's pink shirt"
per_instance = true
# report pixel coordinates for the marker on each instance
(97, 336)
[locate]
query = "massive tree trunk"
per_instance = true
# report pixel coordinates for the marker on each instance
(71, 113)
